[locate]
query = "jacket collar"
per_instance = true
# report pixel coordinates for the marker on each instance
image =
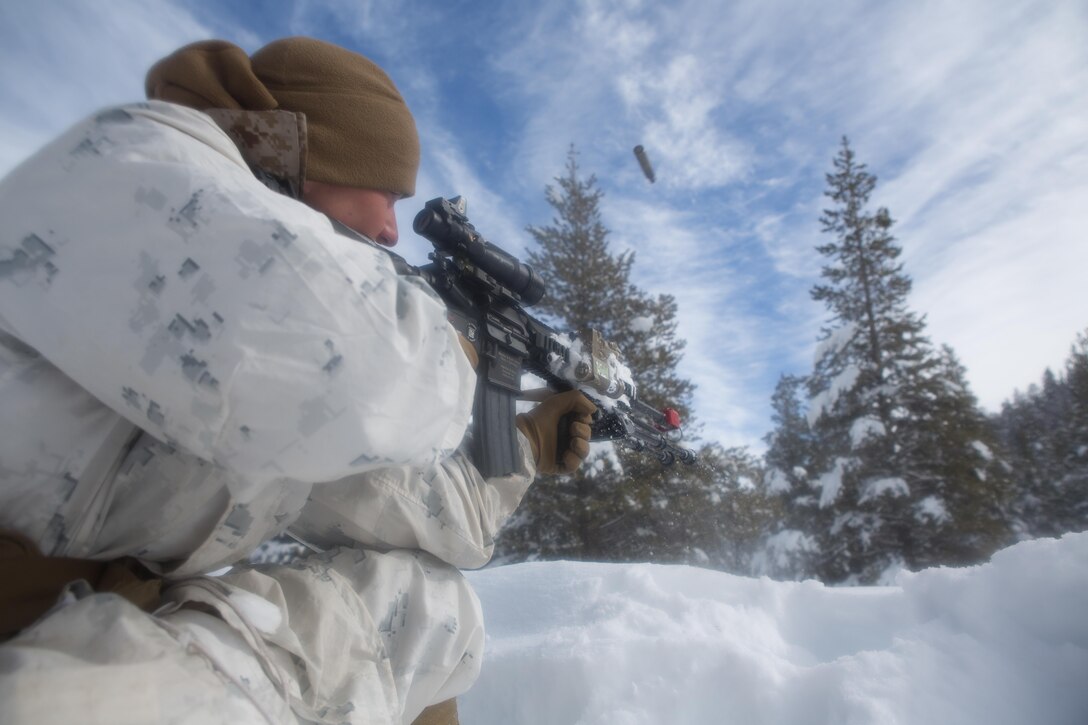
(273, 143)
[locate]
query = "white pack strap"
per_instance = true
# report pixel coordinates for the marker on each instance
(86, 510)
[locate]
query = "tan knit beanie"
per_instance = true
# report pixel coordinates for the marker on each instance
(360, 131)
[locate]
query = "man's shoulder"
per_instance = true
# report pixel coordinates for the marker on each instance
(158, 112)
(167, 119)
(151, 130)
(273, 142)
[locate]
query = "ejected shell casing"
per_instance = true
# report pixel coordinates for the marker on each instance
(644, 162)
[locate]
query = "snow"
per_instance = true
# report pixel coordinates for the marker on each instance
(601, 455)
(836, 341)
(983, 450)
(864, 428)
(638, 644)
(931, 508)
(876, 489)
(830, 482)
(777, 481)
(780, 550)
(614, 376)
(822, 402)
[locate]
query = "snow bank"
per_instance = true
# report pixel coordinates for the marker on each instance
(572, 643)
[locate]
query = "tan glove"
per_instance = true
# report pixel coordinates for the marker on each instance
(541, 426)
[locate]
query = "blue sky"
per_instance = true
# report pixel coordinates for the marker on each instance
(973, 115)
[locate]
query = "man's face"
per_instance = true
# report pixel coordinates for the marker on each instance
(367, 211)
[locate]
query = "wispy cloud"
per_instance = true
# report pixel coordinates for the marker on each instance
(972, 116)
(63, 59)
(991, 199)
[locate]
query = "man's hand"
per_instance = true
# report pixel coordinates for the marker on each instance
(541, 427)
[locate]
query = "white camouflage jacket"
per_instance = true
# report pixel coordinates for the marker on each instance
(189, 362)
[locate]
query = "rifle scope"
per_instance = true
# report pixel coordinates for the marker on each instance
(449, 231)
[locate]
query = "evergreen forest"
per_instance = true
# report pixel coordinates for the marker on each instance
(880, 458)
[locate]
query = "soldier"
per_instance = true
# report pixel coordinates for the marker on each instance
(192, 361)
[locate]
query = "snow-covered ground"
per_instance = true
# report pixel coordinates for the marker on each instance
(575, 644)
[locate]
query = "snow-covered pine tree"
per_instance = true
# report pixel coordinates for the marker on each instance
(1075, 478)
(901, 463)
(787, 548)
(955, 463)
(621, 505)
(589, 287)
(1025, 444)
(1045, 434)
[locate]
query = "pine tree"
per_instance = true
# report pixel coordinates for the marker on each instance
(787, 548)
(719, 511)
(1074, 480)
(789, 452)
(901, 462)
(955, 467)
(621, 505)
(589, 287)
(1045, 433)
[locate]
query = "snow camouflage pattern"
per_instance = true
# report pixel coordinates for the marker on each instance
(406, 628)
(213, 271)
(183, 386)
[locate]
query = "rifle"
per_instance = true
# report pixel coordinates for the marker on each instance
(486, 291)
